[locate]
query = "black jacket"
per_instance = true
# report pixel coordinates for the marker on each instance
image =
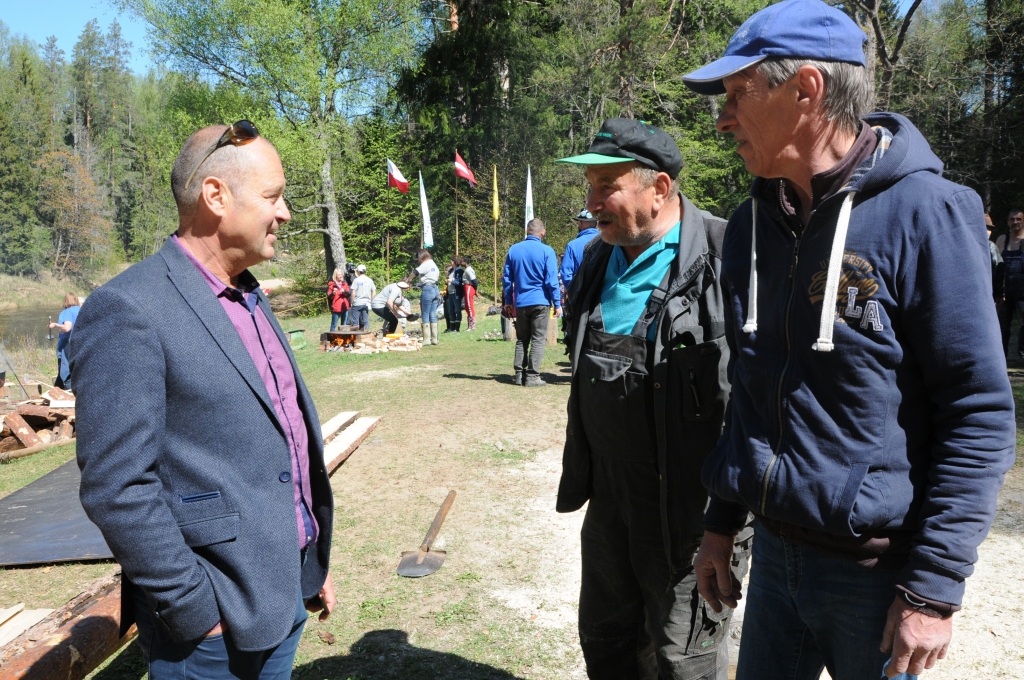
(688, 373)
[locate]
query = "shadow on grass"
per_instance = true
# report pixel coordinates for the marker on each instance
(509, 379)
(387, 654)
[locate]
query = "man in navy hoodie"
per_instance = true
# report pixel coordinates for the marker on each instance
(871, 419)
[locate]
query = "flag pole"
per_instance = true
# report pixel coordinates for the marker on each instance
(387, 237)
(456, 217)
(494, 286)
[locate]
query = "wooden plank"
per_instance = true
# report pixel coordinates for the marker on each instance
(73, 640)
(9, 613)
(21, 622)
(25, 434)
(37, 411)
(348, 441)
(59, 398)
(329, 429)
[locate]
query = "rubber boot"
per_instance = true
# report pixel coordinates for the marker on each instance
(456, 326)
(426, 334)
(433, 330)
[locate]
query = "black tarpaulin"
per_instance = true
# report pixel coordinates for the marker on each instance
(44, 523)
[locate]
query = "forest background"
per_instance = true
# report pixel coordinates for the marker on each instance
(86, 145)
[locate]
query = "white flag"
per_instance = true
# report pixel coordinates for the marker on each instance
(529, 199)
(428, 234)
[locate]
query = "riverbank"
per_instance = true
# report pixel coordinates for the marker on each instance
(45, 289)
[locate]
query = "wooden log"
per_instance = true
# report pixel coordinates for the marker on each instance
(21, 430)
(347, 441)
(9, 444)
(72, 641)
(64, 430)
(32, 450)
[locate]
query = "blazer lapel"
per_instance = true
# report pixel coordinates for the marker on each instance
(204, 303)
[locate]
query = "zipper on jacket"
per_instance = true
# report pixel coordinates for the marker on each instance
(782, 379)
(693, 388)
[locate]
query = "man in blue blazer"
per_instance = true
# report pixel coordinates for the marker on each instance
(200, 447)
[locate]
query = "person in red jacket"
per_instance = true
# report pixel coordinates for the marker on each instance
(339, 295)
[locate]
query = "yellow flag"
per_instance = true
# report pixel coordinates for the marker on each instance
(497, 208)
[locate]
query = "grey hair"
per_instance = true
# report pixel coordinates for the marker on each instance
(227, 163)
(849, 90)
(647, 176)
(534, 227)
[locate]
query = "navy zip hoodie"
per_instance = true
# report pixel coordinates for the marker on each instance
(907, 424)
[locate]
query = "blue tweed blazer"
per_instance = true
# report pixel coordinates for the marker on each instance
(182, 456)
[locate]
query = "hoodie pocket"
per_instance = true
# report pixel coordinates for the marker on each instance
(701, 373)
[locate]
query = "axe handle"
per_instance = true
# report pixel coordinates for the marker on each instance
(435, 527)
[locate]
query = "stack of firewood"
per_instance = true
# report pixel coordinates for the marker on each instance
(403, 343)
(35, 423)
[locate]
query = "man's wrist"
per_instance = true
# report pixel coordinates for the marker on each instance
(936, 610)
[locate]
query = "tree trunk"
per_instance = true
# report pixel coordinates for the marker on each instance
(988, 97)
(334, 245)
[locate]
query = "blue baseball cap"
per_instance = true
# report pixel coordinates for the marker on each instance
(585, 216)
(793, 29)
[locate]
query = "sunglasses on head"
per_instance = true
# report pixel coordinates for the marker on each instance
(239, 134)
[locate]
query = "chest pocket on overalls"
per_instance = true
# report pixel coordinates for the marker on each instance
(611, 401)
(703, 378)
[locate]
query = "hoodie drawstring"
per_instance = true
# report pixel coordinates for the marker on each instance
(835, 265)
(751, 325)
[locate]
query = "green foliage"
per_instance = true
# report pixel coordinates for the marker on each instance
(339, 86)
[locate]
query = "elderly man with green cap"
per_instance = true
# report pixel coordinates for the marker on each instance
(646, 405)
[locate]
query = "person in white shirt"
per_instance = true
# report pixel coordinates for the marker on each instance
(388, 305)
(430, 298)
(363, 292)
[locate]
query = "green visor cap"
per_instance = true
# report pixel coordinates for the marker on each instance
(621, 141)
(594, 159)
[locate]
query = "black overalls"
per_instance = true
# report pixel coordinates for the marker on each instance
(636, 617)
(1013, 292)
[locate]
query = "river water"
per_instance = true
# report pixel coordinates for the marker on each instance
(17, 325)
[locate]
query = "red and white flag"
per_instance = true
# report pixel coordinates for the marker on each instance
(462, 170)
(396, 179)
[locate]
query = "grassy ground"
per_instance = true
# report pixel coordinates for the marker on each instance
(503, 605)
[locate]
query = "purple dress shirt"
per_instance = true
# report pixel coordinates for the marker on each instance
(275, 368)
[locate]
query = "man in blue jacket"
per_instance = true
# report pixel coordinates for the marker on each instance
(200, 447)
(574, 249)
(530, 284)
(871, 419)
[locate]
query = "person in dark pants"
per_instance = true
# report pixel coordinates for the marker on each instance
(871, 419)
(530, 278)
(453, 298)
(1011, 247)
(646, 405)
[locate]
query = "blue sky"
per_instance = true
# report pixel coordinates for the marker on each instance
(38, 19)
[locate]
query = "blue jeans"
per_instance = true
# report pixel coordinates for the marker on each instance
(339, 319)
(430, 299)
(213, 657)
(806, 611)
(359, 317)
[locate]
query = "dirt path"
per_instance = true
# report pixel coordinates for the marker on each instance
(504, 604)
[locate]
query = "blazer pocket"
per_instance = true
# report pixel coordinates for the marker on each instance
(210, 531)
